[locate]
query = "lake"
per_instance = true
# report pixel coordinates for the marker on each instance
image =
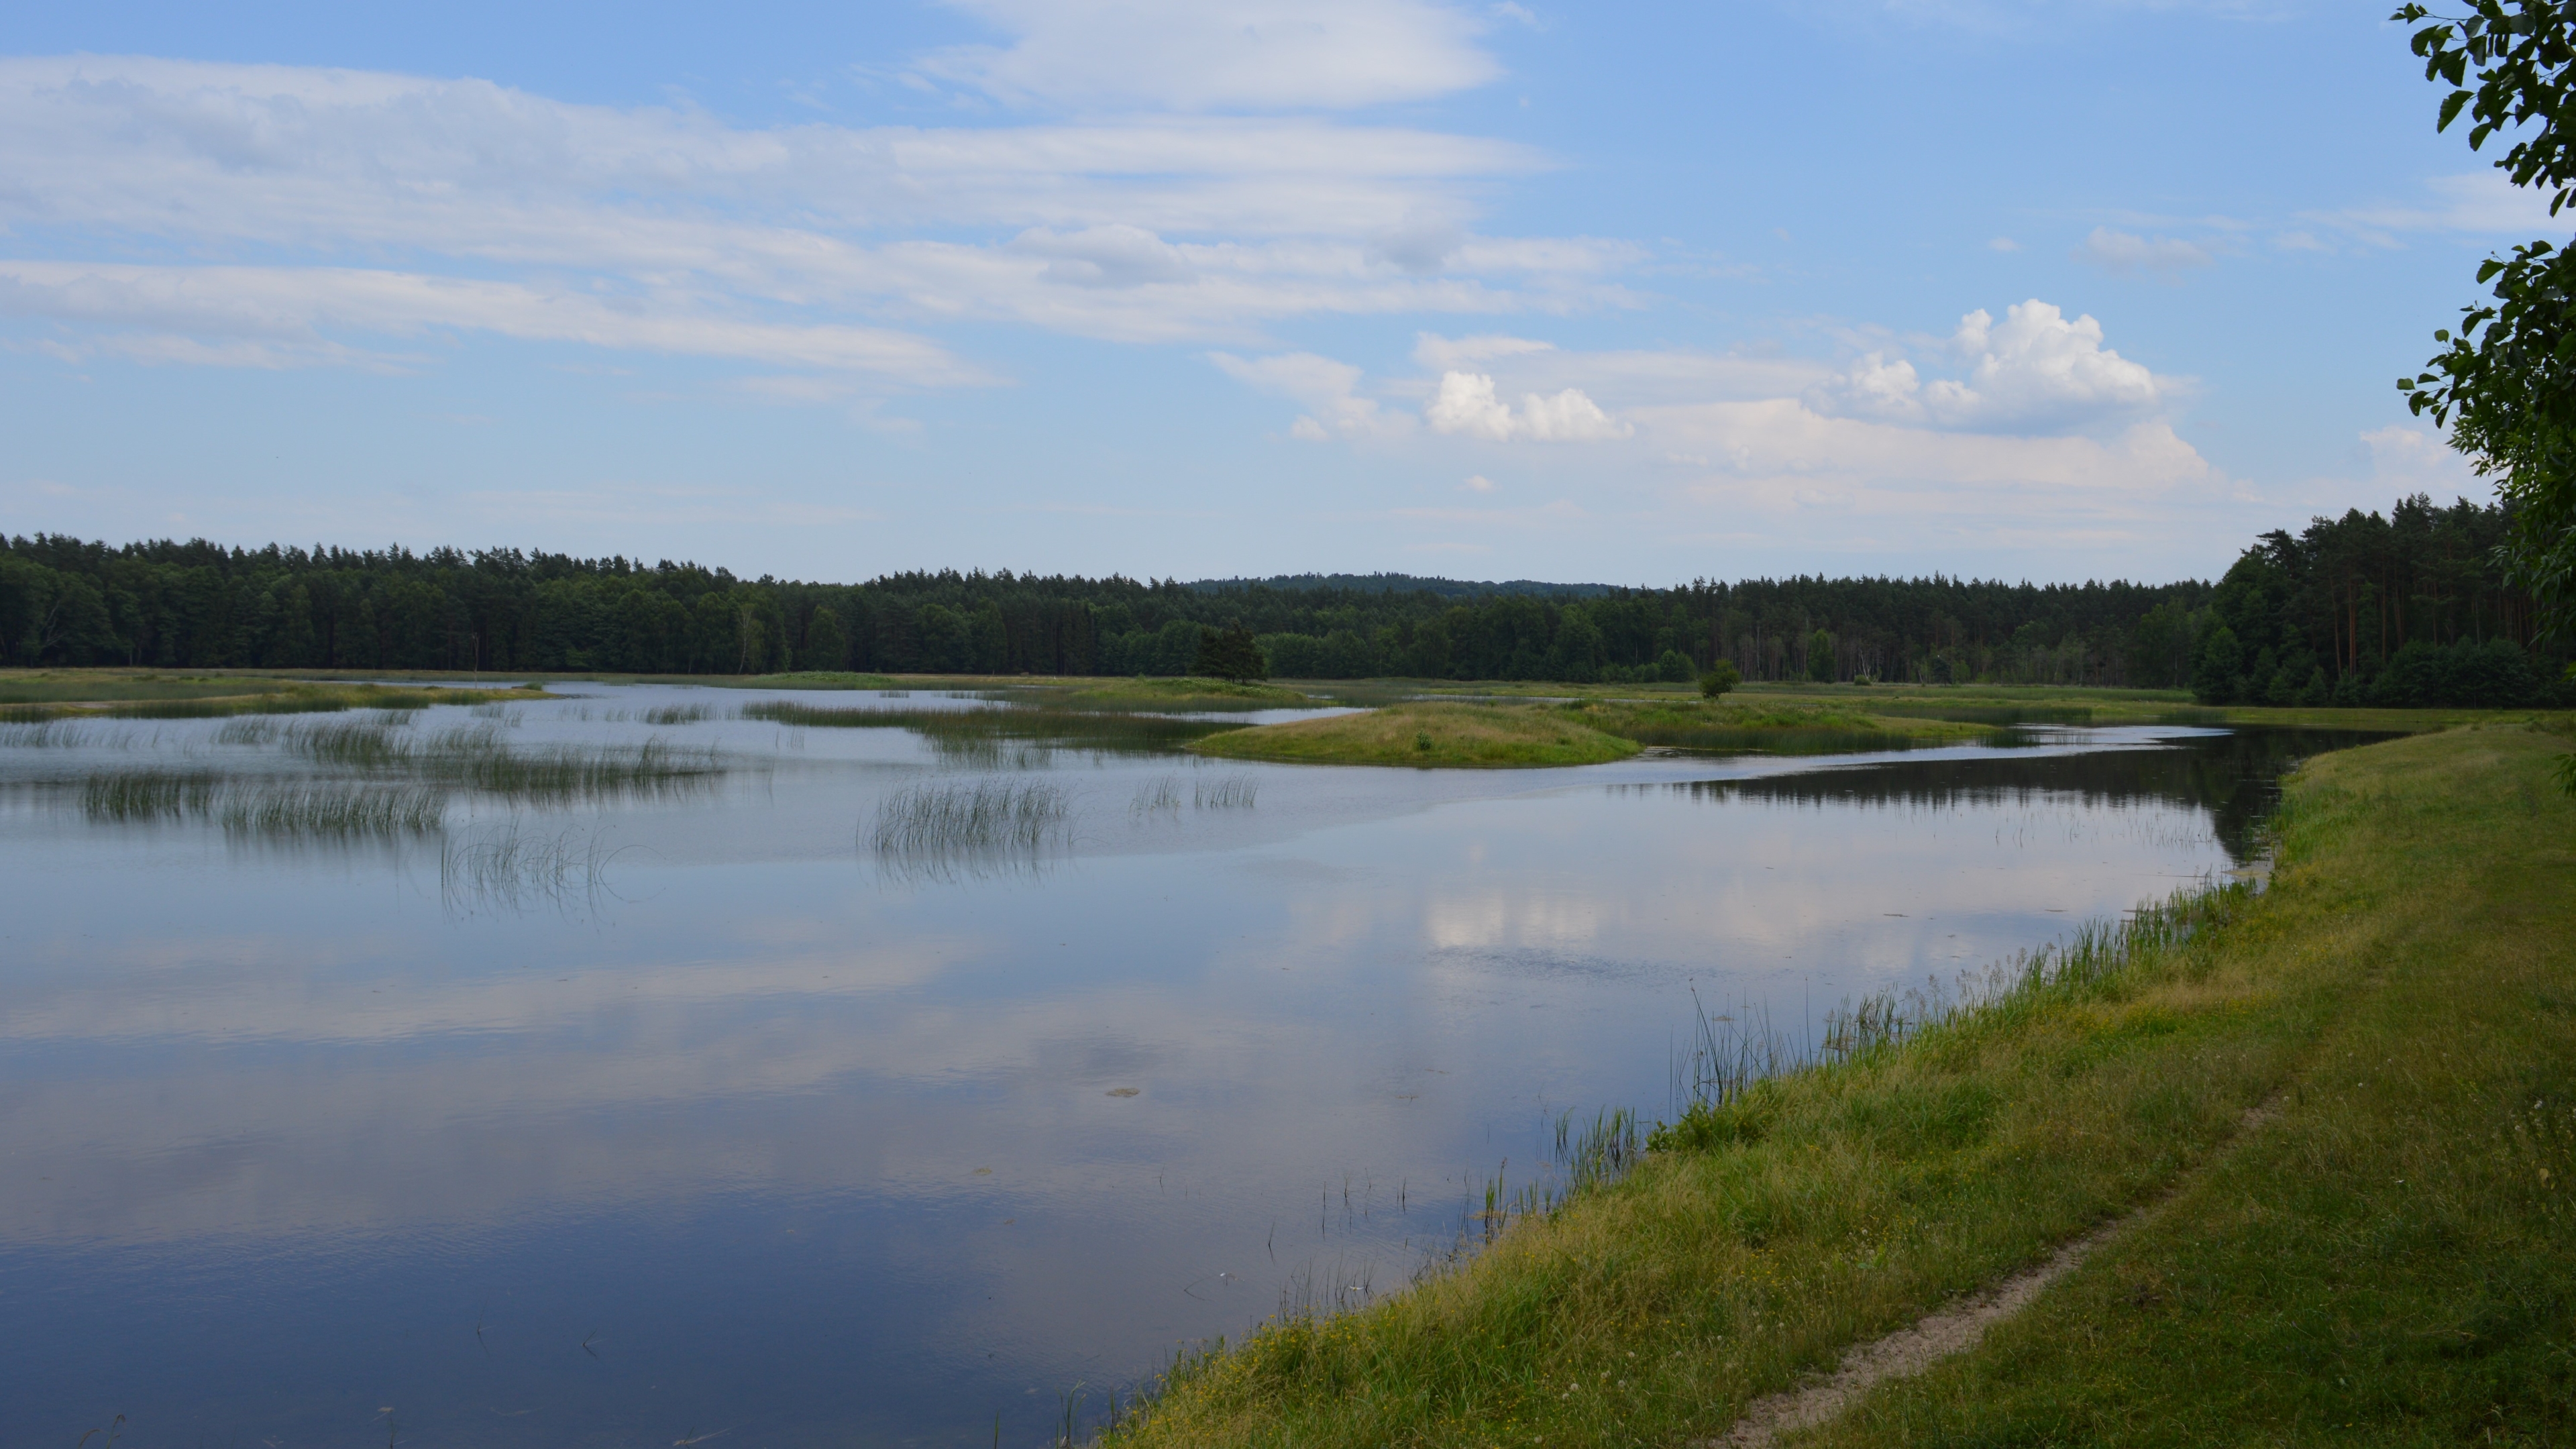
(648, 1073)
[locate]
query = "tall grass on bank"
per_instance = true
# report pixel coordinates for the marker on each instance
(1802, 1197)
(942, 826)
(257, 697)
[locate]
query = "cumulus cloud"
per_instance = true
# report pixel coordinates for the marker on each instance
(1466, 404)
(1220, 54)
(1328, 389)
(2121, 251)
(2035, 369)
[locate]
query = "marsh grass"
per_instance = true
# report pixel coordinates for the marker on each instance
(332, 809)
(1224, 792)
(952, 819)
(478, 756)
(248, 697)
(512, 867)
(1774, 728)
(145, 795)
(1156, 797)
(263, 806)
(972, 736)
(1192, 694)
(1427, 736)
(679, 714)
(56, 734)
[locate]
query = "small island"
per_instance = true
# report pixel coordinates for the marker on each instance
(1584, 731)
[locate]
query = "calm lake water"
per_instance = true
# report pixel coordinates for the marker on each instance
(615, 1115)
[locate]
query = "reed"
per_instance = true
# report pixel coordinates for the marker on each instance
(973, 734)
(513, 867)
(679, 714)
(258, 806)
(1225, 792)
(940, 821)
(126, 796)
(332, 809)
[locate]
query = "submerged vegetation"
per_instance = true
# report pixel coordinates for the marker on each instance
(2398, 992)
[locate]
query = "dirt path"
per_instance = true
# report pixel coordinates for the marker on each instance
(1910, 1351)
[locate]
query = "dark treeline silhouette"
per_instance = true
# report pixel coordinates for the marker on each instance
(2352, 601)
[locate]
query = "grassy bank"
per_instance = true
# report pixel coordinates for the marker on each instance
(28, 697)
(1582, 731)
(2391, 1260)
(1192, 694)
(1431, 736)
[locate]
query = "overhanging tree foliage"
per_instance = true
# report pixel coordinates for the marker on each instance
(2505, 382)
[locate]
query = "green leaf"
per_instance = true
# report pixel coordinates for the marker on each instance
(2451, 109)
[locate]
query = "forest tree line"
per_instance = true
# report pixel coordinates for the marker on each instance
(2348, 611)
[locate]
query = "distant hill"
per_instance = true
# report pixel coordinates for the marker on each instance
(1408, 584)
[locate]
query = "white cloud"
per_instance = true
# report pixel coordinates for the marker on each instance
(2120, 251)
(2483, 203)
(1146, 228)
(1196, 55)
(2003, 244)
(2034, 370)
(2419, 460)
(1328, 389)
(1478, 483)
(1442, 353)
(281, 317)
(1466, 404)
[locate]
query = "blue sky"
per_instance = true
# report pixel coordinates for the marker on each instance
(1186, 288)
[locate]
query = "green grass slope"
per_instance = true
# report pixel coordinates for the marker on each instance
(2392, 1260)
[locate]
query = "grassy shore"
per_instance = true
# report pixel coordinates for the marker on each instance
(1193, 694)
(1428, 736)
(1581, 731)
(2392, 1259)
(34, 697)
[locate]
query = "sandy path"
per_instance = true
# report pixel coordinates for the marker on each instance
(1910, 1351)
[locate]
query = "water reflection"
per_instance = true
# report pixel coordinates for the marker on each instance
(786, 1135)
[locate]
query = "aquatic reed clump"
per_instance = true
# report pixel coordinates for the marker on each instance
(512, 867)
(652, 768)
(332, 809)
(480, 757)
(1156, 797)
(1225, 792)
(139, 795)
(679, 714)
(365, 744)
(44, 735)
(960, 820)
(262, 806)
(975, 735)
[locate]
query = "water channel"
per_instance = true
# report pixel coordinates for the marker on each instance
(632, 1113)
